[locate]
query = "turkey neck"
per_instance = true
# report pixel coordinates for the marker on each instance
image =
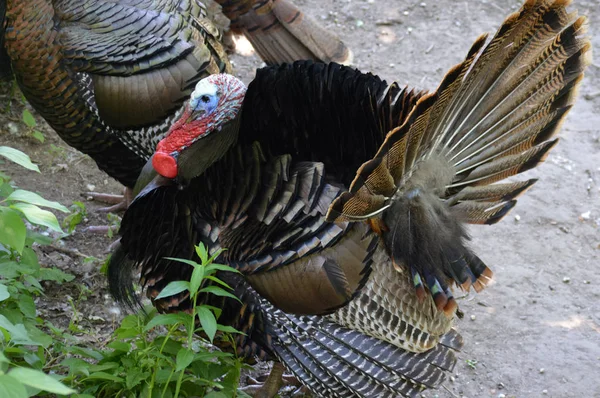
(53, 90)
(207, 151)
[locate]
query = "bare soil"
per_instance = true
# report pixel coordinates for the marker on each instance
(536, 331)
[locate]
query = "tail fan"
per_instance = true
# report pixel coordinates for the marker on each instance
(280, 32)
(493, 116)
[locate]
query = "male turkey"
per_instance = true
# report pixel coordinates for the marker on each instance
(366, 261)
(110, 76)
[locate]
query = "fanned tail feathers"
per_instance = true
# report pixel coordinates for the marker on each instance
(493, 116)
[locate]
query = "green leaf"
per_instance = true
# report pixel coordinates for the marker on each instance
(18, 157)
(4, 294)
(105, 376)
(217, 291)
(28, 119)
(120, 346)
(11, 388)
(38, 216)
(166, 319)
(215, 394)
(196, 279)
(202, 253)
(27, 306)
(12, 229)
(217, 280)
(37, 379)
(55, 275)
(38, 136)
(208, 322)
(220, 267)
(183, 260)
(183, 359)
(18, 333)
(173, 288)
(228, 329)
(21, 195)
(77, 366)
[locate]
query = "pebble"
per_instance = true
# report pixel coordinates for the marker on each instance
(544, 392)
(90, 187)
(473, 317)
(501, 396)
(517, 217)
(566, 279)
(586, 215)
(542, 370)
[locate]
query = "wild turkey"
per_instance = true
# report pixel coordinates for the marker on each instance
(366, 261)
(110, 76)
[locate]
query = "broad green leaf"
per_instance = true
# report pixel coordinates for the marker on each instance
(38, 136)
(18, 157)
(28, 118)
(27, 306)
(38, 216)
(38, 379)
(21, 195)
(217, 291)
(166, 319)
(208, 322)
(76, 366)
(18, 333)
(183, 359)
(134, 377)
(120, 346)
(12, 229)
(11, 388)
(173, 288)
(4, 294)
(86, 352)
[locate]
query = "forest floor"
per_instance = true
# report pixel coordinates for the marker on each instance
(535, 332)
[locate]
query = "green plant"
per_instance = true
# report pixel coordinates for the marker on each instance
(162, 355)
(31, 124)
(24, 346)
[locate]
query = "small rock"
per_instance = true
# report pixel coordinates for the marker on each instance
(517, 217)
(90, 187)
(585, 216)
(586, 282)
(423, 5)
(473, 317)
(566, 279)
(500, 386)
(523, 317)
(551, 287)
(501, 396)
(89, 198)
(564, 229)
(542, 370)
(405, 13)
(545, 392)
(359, 23)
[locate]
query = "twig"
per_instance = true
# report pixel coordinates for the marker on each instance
(64, 250)
(453, 394)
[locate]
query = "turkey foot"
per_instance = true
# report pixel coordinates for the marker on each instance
(118, 202)
(275, 380)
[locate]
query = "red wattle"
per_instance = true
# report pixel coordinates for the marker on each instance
(165, 164)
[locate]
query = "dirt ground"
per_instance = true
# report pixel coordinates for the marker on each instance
(536, 331)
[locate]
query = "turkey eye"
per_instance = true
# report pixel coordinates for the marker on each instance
(205, 99)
